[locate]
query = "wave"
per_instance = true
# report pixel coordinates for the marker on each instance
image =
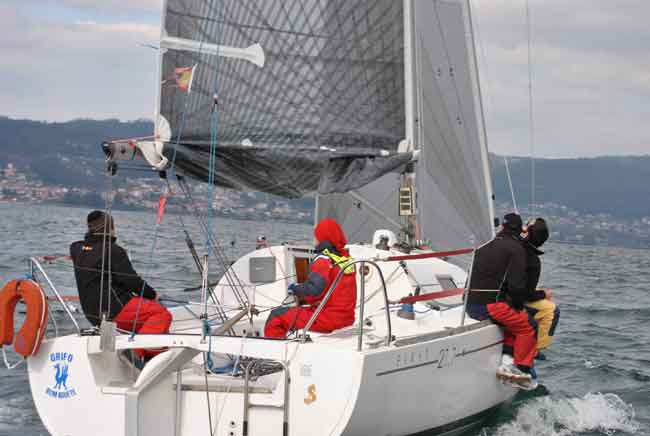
(595, 412)
(18, 413)
(609, 369)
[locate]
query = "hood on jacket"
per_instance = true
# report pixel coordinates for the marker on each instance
(537, 233)
(329, 230)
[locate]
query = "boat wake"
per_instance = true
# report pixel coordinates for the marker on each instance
(598, 413)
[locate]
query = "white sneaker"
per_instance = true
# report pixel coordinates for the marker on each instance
(510, 375)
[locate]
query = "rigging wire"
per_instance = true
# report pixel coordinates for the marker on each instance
(168, 190)
(109, 235)
(486, 82)
(105, 236)
(209, 288)
(231, 277)
(159, 221)
(483, 133)
(512, 191)
(490, 102)
(531, 124)
(151, 253)
(210, 245)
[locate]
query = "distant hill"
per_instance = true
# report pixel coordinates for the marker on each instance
(619, 186)
(69, 154)
(42, 136)
(63, 153)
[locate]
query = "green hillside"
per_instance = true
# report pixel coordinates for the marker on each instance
(69, 154)
(619, 186)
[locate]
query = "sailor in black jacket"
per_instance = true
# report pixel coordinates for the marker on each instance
(115, 293)
(124, 280)
(498, 291)
(500, 265)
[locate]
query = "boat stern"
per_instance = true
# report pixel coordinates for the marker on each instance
(71, 389)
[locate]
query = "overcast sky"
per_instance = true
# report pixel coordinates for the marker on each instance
(65, 59)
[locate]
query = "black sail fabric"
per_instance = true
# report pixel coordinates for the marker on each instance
(325, 113)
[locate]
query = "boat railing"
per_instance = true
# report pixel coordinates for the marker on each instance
(362, 298)
(362, 263)
(34, 266)
(444, 254)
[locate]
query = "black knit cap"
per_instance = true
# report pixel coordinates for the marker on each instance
(97, 219)
(512, 221)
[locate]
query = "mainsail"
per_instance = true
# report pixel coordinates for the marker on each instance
(299, 96)
(365, 210)
(444, 122)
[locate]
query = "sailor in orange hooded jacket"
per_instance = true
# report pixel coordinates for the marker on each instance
(339, 310)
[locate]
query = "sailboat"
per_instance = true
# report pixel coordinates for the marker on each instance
(374, 107)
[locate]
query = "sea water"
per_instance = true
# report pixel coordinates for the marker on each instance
(596, 380)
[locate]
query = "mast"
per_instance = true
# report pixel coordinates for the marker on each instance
(410, 102)
(409, 222)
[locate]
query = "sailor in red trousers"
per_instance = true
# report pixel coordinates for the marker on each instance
(122, 303)
(498, 292)
(338, 312)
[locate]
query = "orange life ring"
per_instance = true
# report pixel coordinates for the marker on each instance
(29, 337)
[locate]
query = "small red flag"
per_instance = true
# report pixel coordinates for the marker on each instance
(162, 202)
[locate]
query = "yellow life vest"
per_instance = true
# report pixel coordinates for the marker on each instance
(341, 261)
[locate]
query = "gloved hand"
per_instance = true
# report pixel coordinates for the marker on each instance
(291, 289)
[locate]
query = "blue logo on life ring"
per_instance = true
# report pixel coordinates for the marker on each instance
(61, 366)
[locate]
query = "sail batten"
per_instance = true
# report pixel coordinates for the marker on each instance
(253, 53)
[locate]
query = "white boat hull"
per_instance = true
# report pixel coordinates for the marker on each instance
(429, 385)
(435, 375)
(434, 384)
